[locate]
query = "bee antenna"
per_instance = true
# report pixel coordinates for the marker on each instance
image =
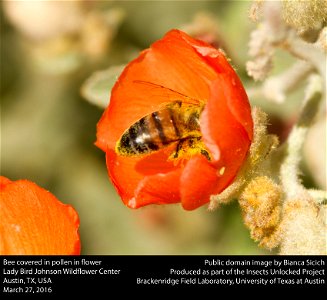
(164, 87)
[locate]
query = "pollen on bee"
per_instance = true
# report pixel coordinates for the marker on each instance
(221, 171)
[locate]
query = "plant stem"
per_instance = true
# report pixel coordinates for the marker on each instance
(292, 149)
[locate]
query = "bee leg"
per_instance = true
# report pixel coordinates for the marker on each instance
(178, 148)
(188, 147)
(191, 143)
(206, 154)
(195, 143)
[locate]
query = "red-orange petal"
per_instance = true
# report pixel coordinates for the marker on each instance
(34, 222)
(224, 136)
(236, 96)
(138, 181)
(162, 188)
(4, 181)
(198, 181)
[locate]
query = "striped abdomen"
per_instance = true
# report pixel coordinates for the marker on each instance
(171, 124)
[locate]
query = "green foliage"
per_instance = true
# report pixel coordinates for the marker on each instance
(96, 89)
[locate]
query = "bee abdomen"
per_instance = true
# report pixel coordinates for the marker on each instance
(136, 140)
(157, 121)
(151, 133)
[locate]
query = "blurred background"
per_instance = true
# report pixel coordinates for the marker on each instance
(48, 51)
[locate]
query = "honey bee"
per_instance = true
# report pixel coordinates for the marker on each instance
(176, 122)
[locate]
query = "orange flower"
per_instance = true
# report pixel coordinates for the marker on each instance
(183, 75)
(34, 222)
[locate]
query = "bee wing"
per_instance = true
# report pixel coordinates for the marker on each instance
(170, 93)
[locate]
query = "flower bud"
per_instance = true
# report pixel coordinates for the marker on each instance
(261, 206)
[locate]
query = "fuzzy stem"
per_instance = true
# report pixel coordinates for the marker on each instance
(308, 52)
(276, 87)
(302, 230)
(290, 166)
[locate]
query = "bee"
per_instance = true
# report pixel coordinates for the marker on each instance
(177, 122)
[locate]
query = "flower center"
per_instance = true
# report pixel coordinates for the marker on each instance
(188, 147)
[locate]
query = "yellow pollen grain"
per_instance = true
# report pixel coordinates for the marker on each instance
(222, 171)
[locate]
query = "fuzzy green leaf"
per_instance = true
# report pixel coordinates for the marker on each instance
(96, 89)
